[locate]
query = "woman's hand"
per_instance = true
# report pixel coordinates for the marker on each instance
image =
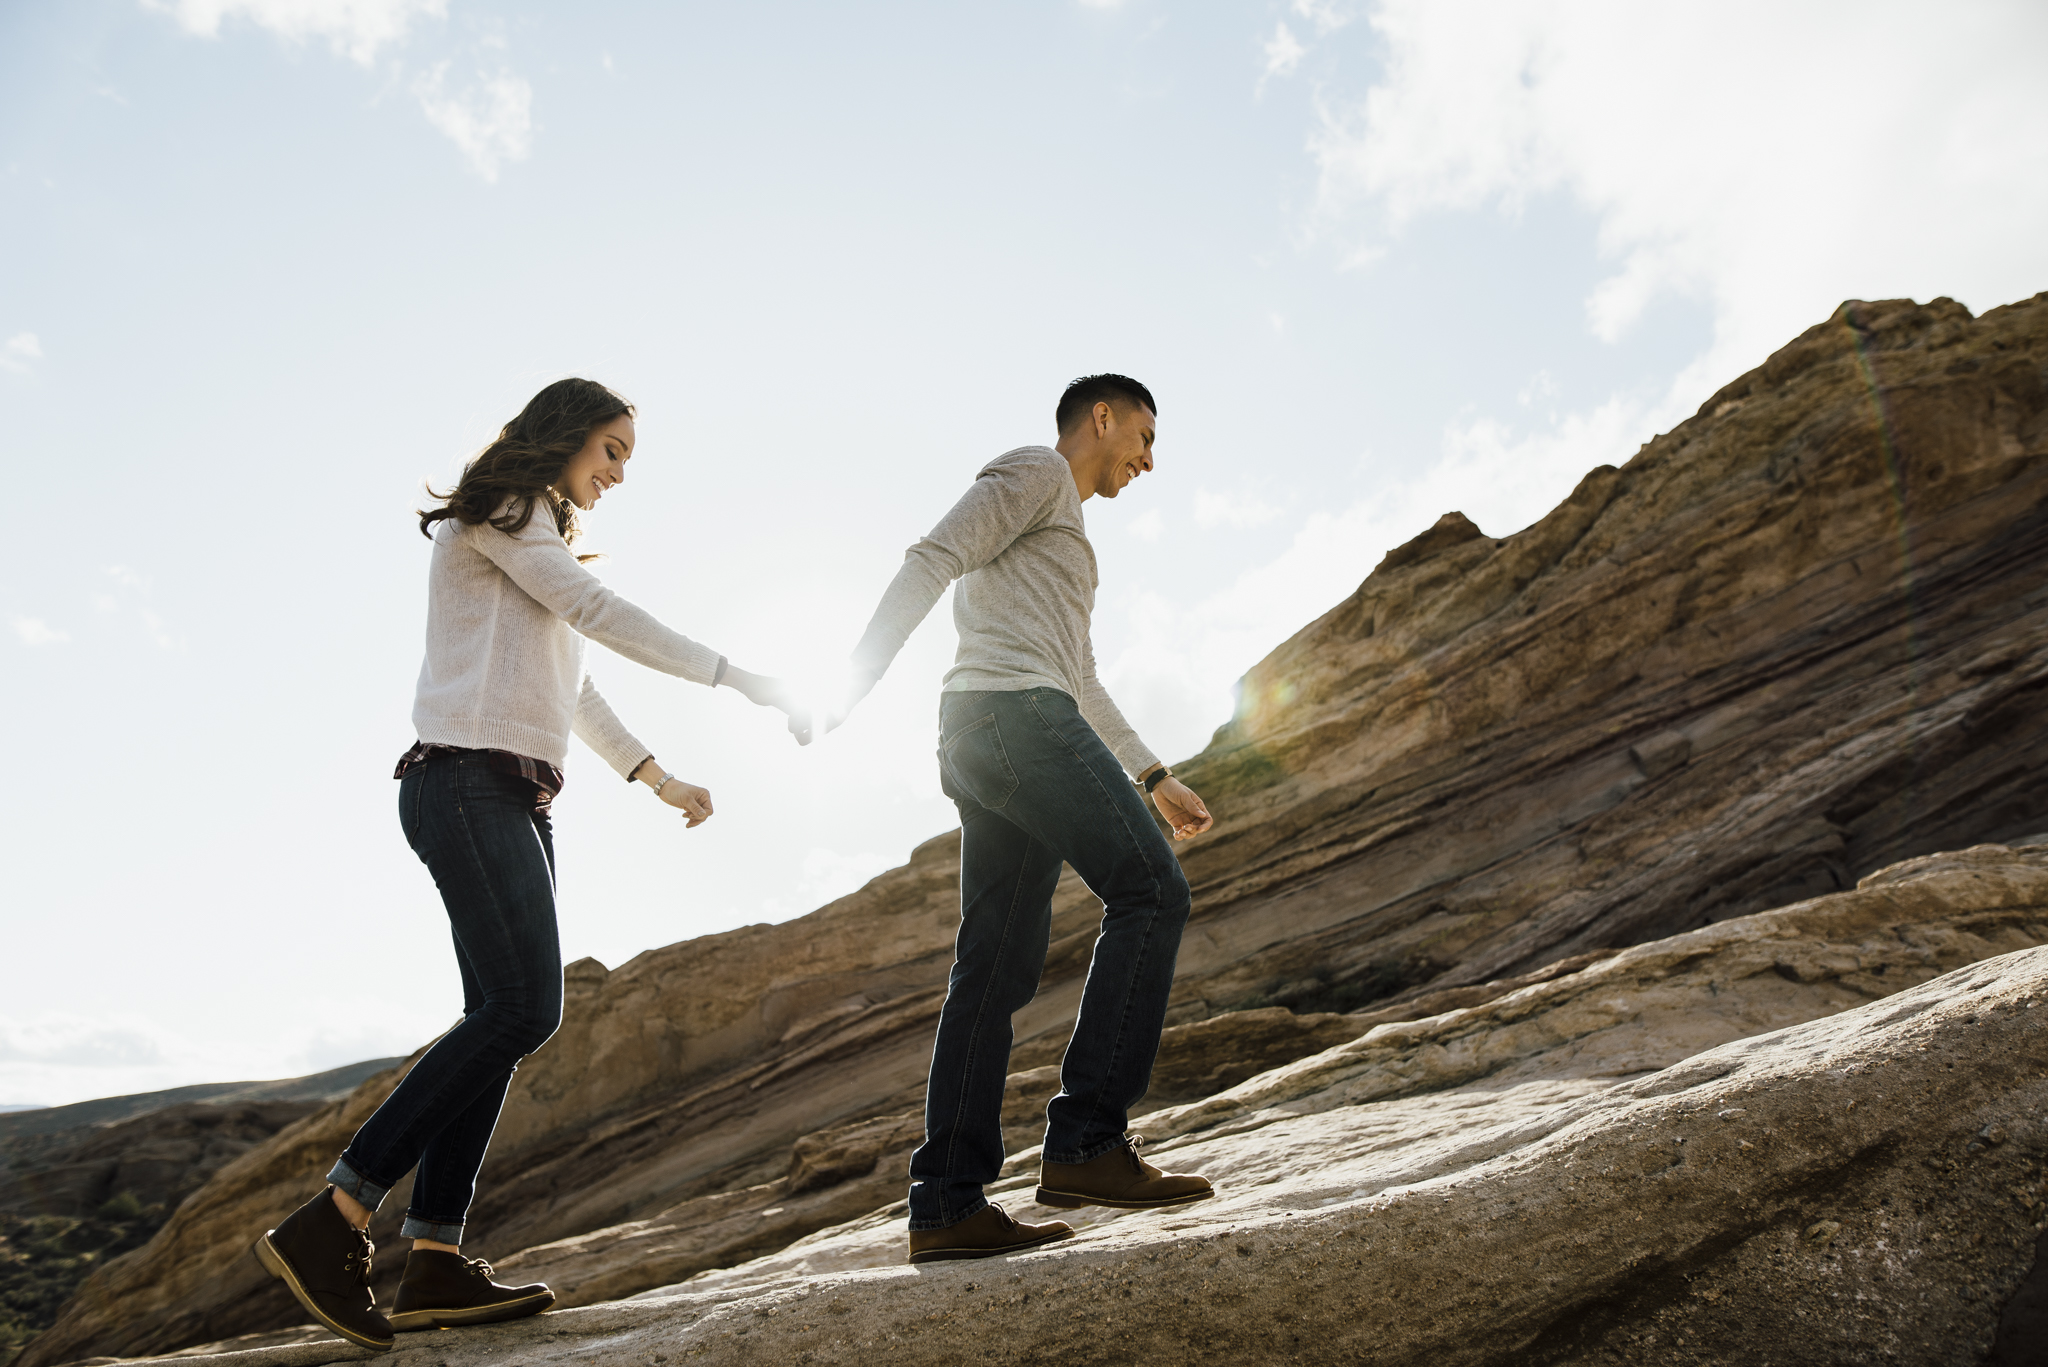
(758, 689)
(1182, 808)
(689, 799)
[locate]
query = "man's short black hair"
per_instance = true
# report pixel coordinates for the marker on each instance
(1083, 394)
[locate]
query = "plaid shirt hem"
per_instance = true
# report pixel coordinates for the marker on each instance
(545, 778)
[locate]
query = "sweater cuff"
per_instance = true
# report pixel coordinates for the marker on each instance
(699, 664)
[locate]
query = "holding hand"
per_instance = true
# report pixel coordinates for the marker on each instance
(1182, 808)
(825, 706)
(793, 700)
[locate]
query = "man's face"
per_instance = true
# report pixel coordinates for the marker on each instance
(1128, 441)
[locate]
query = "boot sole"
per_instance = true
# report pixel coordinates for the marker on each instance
(274, 1263)
(1073, 1200)
(408, 1321)
(947, 1255)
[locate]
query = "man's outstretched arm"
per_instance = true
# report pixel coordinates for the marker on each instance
(1003, 501)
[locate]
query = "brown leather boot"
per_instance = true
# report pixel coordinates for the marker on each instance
(988, 1233)
(325, 1261)
(1118, 1178)
(441, 1290)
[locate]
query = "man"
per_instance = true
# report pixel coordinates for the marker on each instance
(1035, 754)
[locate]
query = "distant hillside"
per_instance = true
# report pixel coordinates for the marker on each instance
(20, 1123)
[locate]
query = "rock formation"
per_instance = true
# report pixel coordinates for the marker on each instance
(158, 1158)
(1790, 1137)
(84, 1183)
(1799, 638)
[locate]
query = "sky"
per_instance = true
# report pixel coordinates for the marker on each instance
(271, 266)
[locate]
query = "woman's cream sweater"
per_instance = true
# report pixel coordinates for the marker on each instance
(506, 618)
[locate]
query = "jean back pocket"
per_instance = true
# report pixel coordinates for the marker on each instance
(978, 764)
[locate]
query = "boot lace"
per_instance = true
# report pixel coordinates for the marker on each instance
(479, 1267)
(358, 1261)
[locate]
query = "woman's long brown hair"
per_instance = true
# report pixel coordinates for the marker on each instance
(522, 465)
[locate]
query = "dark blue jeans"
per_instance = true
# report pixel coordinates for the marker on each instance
(1037, 787)
(493, 857)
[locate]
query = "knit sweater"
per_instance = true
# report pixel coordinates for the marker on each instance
(1018, 546)
(507, 615)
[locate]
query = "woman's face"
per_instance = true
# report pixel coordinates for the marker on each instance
(599, 465)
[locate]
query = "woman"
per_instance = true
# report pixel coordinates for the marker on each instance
(509, 604)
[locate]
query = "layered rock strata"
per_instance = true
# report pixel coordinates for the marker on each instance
(1799, 637)
(1782, 1139)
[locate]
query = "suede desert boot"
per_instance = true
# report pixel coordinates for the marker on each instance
(1118, 1178)
(325, 1261)
(441, 1290)
(988, 1233)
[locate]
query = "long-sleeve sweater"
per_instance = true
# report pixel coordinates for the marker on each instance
(507, 615)
(1018, 546)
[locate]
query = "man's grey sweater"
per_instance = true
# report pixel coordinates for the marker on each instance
(1018, 546)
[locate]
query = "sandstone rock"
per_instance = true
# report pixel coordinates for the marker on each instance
(1587, 1191)
(1831, 583)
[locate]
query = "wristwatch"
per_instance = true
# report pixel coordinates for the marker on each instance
(1151, 781)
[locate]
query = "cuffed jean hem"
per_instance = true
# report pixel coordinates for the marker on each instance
(347, 1179)
(1087, 1155)
(972, 1211)
(440, 1231)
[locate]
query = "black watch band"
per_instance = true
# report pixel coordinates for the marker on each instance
(1152, 780)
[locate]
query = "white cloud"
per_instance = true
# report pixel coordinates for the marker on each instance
(1769, 160)
(1149, 525)
(79, 1042)
(1542, 385)
(1231, 510)
(1325, 15)
(489, 119)
(829, 874)
(137, 587)
(354, 28)
(34, 631)
(1283, 53)
(20, 351)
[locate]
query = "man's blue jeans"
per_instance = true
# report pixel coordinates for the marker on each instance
(493, 857)
(1036, 787)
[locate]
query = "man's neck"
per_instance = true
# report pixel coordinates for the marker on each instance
(1080, 466)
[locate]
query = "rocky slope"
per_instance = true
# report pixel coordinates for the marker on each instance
(1800, 637)
(83, 1184)
(1786, 1138)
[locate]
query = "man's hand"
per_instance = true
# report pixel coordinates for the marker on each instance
(822, 707)
(1182, 808)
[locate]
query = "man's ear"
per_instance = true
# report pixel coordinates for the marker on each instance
(1105, 418)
